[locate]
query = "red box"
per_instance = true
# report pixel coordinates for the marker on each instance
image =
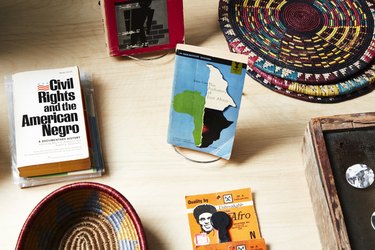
(141, 26)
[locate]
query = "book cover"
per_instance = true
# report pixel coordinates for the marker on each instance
(97, 162)
(237, 204)
(50, 131)
(206, 98)
(140, 26)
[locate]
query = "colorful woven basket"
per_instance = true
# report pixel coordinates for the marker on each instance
(83, 215)
(304, 41)
(319, 51)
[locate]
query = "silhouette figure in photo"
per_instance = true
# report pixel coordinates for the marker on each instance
(140, 23)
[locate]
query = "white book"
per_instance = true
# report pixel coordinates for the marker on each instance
(50, 131)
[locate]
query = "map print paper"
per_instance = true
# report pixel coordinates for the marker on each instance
(205, 102)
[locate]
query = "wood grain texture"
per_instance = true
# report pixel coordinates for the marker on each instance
(324, 165)
(133, 101)
(323, 191)
(318, 196)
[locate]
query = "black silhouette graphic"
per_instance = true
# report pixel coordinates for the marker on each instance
(214, 122)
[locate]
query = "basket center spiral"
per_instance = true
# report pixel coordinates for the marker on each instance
(301, 17)
(90, 231)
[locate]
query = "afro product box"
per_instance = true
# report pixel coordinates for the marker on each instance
(239, 207)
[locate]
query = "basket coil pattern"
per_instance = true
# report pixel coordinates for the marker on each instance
(321, 51)
(359, 85)
(83, 215)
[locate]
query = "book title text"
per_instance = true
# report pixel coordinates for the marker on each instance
(58, 98)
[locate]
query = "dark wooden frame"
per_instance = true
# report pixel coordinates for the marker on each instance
(326, 203)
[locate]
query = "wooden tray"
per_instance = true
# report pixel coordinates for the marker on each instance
(343, 213)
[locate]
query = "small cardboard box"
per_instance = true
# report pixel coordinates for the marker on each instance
(344, 213)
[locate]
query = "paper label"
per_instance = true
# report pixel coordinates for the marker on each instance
(238, 204)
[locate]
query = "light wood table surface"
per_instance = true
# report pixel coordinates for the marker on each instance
(133, 101)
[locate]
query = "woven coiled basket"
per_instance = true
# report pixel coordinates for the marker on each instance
(83, 215)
